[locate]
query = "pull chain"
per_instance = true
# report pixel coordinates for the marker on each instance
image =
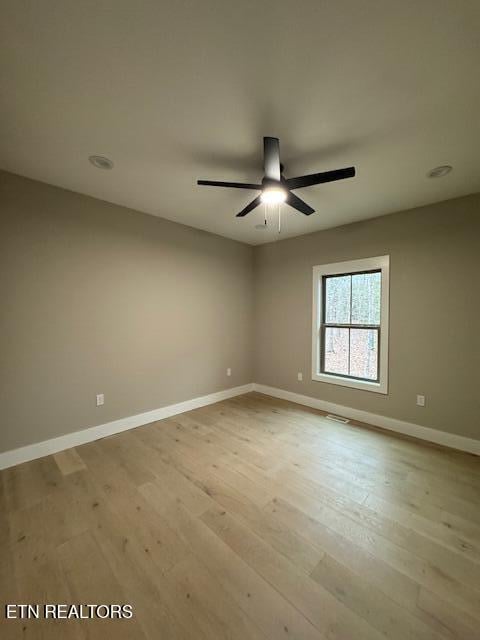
(269, 212)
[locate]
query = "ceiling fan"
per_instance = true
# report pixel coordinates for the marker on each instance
(275, 188)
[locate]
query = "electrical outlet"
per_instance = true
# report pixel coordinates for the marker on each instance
(100, 399)
(229, 372)
(300, 376)
(420, 401)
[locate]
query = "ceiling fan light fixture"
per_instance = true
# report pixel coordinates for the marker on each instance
(275, 188)
(273, 195)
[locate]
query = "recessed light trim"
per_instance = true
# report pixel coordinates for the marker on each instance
(439, 172)
(101, 162)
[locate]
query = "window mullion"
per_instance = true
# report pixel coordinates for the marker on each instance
(334, 325)
(350, 299)
(349, 367)
(350, 329)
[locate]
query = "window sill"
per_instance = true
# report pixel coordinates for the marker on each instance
(375, 387)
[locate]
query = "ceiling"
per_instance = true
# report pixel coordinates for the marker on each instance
(177, 90)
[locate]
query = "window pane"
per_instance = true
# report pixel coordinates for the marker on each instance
(337, 299)
(364, 353)
(366, 298)
(336, 350)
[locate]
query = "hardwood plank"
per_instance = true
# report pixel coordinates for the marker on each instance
(452, 537)
(317, 605)
(403, 561)
(28, 483)
(138, 549)
(456, 562)
(370, 602)
(38, 574)
(221, 487)
(251, 518)
(446, 618)
(90, 580)
(206, 606)
(8, 580)
(271, 612)
(401, 588)
(69, 461)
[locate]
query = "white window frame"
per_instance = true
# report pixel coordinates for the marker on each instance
(381, 263)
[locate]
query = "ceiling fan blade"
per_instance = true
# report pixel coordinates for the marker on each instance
(234, 185)
(271, 158)
(250, 207)
(298, 204)
(320, 178)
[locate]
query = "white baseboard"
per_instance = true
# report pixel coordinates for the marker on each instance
(54, 445)
(392, 424)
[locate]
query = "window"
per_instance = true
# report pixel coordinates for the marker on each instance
(350, 323)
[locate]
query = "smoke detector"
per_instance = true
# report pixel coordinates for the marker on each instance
(439, 172)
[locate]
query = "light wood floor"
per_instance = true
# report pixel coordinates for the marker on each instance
(249, 519)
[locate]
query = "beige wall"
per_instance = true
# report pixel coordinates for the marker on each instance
(98, 298)
(434, 312)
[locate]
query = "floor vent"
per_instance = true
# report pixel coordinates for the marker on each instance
(330, 416)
